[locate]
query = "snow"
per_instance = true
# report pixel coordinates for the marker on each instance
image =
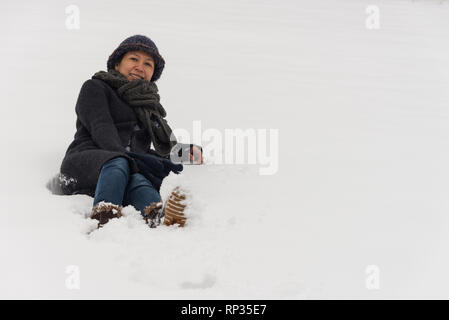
(362, 178)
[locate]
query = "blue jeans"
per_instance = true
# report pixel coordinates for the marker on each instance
(116, 185)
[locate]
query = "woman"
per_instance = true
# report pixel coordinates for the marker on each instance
(123, 145)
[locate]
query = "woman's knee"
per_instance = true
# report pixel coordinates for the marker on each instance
(120, 163)
(137, 179)
(141, 192)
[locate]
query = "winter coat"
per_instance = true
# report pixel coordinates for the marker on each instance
(105, 126)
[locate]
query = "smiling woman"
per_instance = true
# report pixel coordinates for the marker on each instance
(123, 145)
(136, 65)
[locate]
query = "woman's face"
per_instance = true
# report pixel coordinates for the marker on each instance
(136, 65)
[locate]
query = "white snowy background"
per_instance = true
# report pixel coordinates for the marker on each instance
(363, 179)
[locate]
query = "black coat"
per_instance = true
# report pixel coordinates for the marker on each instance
(105, 124)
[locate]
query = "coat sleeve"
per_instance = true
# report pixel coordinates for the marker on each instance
(92, 109)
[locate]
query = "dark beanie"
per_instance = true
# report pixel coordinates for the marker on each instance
(138, 43)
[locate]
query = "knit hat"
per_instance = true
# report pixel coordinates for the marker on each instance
(138, 43)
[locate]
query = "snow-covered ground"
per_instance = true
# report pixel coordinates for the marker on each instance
(357, 209)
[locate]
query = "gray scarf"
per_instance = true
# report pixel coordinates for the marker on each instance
(143, 97)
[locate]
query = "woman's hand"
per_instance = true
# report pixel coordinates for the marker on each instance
(196, 155)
